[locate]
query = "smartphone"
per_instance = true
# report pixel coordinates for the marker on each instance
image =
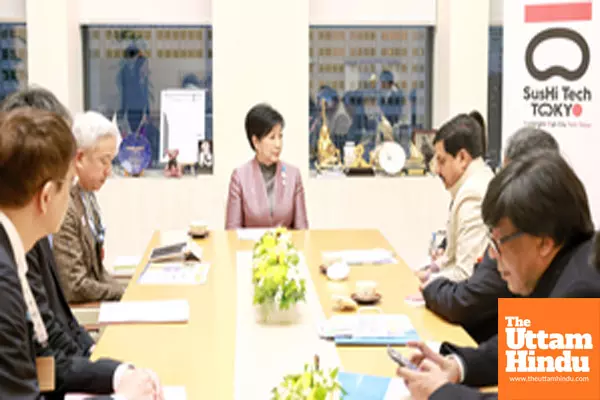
(400, 360)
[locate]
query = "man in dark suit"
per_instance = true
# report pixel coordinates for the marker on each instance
(33, 201)
(541, 236)
(64, 330)
(473, 303)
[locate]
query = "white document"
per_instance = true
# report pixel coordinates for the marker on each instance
(182, 119)
(253, 234)
(120, 312)
(397, 390)
(125, 265)
(127, 261)
(357, 257)
(175, 274)
(171, 393)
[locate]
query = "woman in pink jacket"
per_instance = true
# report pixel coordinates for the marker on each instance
(265, 192)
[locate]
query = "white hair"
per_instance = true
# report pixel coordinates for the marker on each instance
(91, 126)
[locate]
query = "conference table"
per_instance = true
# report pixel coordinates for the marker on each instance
(200, 354)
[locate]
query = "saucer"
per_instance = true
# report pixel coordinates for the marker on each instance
(374, 299)
(198, 236)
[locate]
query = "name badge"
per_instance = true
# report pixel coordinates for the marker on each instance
(45, 373)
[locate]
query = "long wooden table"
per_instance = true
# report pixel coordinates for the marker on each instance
(200, 354)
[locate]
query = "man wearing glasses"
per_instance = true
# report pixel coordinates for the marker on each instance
(473, 302)
(541, 237)
(79, 245)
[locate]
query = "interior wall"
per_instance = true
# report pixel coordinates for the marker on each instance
(258, 57)
(12, 11)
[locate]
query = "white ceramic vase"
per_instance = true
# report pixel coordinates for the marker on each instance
(269, 313)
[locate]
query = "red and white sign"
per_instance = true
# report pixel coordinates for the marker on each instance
(549, 80)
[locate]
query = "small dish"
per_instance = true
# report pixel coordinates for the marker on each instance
(374, 299)
(194, 235)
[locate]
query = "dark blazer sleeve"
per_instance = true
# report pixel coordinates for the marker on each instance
(44, 285)
(84, 339)
(58, 337)
(18, 378)
(77, 374)
(470, 301)
(300, 215)
(460, 392)
(481, 363)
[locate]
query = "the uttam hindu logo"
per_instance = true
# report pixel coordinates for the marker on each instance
(549, 349)
(524, 343)
(569, 99)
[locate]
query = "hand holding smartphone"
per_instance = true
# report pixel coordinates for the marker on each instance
(400, 360)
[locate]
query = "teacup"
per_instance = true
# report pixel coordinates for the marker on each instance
(366, 289)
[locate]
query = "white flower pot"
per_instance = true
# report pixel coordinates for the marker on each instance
(269, 313)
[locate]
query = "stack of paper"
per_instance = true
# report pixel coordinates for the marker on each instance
(370, 256)
(144, 312)
(177, 273)
(126, 265)
(170, 392)
(369, 329)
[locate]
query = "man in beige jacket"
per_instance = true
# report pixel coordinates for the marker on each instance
(459, 163)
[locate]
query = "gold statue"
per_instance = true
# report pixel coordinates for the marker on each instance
(327, 154)
(359, 161)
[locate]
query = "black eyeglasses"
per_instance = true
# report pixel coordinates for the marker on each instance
(496, 243)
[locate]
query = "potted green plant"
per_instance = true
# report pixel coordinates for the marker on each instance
(312, 384)
(278, 286)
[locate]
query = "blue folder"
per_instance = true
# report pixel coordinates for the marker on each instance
(363, 387)
(408, 336)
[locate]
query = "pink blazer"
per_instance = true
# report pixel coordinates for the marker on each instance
(248, 204)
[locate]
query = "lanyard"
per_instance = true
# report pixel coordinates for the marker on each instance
(33, 312)
(92, 213)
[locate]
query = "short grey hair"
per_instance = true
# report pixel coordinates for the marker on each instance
(529, 139)
(90, 126)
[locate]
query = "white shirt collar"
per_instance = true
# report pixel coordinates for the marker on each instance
(15, 242)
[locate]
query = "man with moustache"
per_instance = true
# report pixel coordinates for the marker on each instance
(473, 302)
(459, 163)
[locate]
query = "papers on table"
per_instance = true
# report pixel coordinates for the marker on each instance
(360, 387)
(126, 262)
(356, 257)
(125, 265)
(415, 300)
(177, 273)
(171, 393)
(123, 312)
(369, 329)
(252, 234)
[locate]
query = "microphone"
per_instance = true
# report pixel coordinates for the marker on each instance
(283, 174)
